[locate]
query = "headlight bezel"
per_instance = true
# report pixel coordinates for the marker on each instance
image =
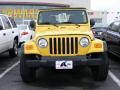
(45, 42)
(80, 41)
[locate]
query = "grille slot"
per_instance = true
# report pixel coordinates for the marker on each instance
(50, 45)
(59, 46)
(63, 45)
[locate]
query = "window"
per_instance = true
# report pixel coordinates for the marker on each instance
(22, 27)
(6, 22)
(115, 26)
(1, 24)
(63, 17)
(13, 22)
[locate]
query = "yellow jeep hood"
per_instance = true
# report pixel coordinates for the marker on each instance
(55, 31)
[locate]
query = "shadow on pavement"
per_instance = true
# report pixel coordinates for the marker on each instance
(53, 79)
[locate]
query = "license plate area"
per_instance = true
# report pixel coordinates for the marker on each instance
(63, 64)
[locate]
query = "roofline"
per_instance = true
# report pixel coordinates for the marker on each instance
(62, 8)
(34, 3)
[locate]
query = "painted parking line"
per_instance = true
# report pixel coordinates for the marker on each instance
(114, 78)
(9, 69)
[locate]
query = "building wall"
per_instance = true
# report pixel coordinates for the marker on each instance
(113, 16)
(100, 17)
(72, 3)
(22, 13)
(25, 10)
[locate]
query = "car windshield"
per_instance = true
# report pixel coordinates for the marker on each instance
(62, 17)
(22, 27)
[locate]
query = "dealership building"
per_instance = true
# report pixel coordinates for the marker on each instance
(23, 10)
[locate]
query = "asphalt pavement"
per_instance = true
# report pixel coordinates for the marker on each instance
(56, 80)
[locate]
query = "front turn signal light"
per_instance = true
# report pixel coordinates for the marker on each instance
(29, 47)
(98, 45)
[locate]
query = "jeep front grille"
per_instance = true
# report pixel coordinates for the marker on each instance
(63, 45)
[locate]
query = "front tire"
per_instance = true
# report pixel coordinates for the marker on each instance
(14, 51)
(27, 74)
(100, 72)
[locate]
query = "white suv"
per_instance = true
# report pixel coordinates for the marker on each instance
(26, 33)
(9, 35)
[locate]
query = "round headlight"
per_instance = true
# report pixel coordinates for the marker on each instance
(84, 42)
(42, 43)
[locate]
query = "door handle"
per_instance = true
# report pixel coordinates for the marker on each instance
(12, 31)
(4, 34)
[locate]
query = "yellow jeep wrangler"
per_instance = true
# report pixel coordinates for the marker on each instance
(63, 40)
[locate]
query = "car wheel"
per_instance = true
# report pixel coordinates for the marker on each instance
(14, 51)
(100, 72)
(27, 74)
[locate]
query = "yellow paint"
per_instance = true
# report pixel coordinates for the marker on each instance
(63, 31)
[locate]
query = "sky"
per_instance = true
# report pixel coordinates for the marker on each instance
(110, 5)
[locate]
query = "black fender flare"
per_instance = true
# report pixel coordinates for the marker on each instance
(105, 46)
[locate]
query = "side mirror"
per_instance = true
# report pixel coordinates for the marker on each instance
(119, 31)
(32, 25)
(92, 22)
(108, 28)
(1, 27)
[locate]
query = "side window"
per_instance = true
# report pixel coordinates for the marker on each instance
(115, 26)
(13, 22)
(119, 29)
(1, 26)
(110, 26)
(6, 22)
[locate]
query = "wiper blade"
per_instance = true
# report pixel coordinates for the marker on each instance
(66, 22)
(49, 23)
(70, 23)
(45, 23)
(77, 25)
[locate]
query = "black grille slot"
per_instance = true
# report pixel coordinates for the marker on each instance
(72, 46)
(63, 45)
(50, 45)
(76, 45)
(59, 46)
(68, 46)
(55, 46)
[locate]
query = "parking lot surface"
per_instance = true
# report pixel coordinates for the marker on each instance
(56, 80)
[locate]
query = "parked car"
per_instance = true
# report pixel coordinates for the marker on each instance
(9, 35)
(25, 33)
(63, 40)
(99, 31)
(112, 37)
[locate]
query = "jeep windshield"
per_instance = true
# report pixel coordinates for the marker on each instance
(63, 17)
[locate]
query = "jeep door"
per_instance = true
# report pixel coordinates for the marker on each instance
(7, 31)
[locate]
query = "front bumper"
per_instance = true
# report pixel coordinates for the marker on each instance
(77, 61)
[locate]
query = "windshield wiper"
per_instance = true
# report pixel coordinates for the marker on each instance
(45, 23)
(66, 23)
(77, 25)
(70, 23)
(49, 23)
